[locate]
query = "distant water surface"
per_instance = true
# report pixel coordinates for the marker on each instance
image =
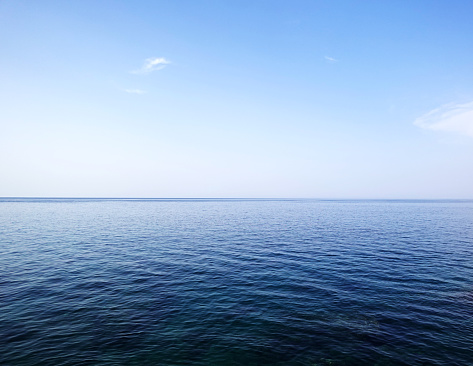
(235, 282)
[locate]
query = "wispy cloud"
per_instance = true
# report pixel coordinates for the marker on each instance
(134, 91)
(451, 117)
(152, 64)
(330, 59)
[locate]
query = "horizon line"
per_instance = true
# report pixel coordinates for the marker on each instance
(236, 198)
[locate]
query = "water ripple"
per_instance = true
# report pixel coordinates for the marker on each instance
(237, 282)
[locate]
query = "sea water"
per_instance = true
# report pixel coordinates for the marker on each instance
(235, 282)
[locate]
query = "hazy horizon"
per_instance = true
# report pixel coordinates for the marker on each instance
(238, 199)
(236, 99)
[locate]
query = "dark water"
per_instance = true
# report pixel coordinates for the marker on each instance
(236, 282)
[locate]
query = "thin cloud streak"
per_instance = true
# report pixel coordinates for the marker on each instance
(451, 117)
(135, 91)
(330, 59)
(152, 64)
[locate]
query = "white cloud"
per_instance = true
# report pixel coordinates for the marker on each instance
(152, 64)
(134, 91)
(330, 59)
(451, 117)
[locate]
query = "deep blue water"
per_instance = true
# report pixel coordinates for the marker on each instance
(235, 282)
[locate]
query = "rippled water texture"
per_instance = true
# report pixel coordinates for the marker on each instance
(236, 282)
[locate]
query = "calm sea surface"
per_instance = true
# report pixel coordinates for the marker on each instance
(235, 282)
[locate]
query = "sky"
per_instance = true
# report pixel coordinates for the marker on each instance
(236, 98)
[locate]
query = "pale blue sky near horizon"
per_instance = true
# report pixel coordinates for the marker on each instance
(237, 98)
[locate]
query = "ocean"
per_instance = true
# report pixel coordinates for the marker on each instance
(236, 282)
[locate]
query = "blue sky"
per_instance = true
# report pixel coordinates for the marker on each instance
(319, 99)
